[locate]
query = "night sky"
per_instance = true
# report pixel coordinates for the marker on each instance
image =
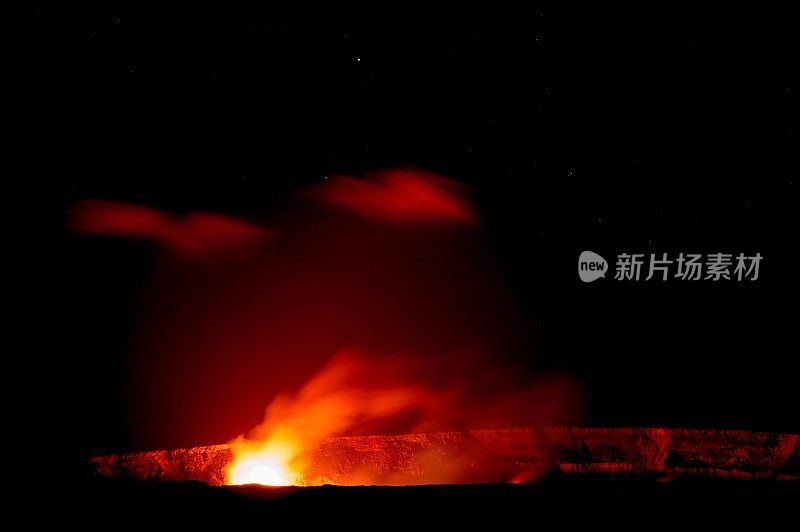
(612, 131)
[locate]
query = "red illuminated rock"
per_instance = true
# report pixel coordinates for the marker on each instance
(517, 455)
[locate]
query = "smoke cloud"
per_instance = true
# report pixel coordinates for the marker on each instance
(381, 309)
(197, 234)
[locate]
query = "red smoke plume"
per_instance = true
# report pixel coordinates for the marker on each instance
(355, 393)
(195, 234)
(411, 273)
(358, 394)
(401, 195)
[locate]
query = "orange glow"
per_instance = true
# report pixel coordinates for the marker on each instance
(267, 464)
(348, 390)
(356, 394)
